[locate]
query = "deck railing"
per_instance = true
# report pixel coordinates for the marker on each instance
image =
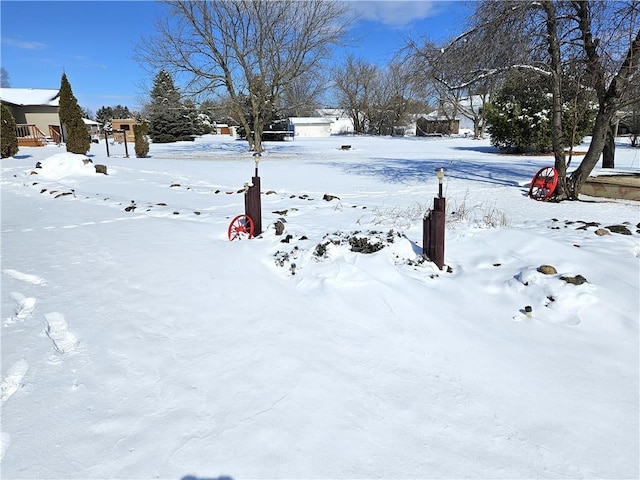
(30, 136)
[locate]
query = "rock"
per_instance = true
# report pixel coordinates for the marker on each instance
(270, 192)
(601, 232)
(86, 161)
(547, 269)
(173, 185)
(101, 168)
(621, 229)
(280, 212)
(279, 227)
(328, 197)
(38, 165)
(577, 280)
(130, 208)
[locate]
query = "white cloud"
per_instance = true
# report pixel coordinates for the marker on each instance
(27, 45)
(394, 13)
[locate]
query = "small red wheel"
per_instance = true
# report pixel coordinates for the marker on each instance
(543, 184)
(241, 227)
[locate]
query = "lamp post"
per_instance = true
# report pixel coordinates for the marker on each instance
(440, 174)
(433, 226)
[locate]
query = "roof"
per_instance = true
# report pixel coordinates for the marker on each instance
(310, 120)
(30, 96)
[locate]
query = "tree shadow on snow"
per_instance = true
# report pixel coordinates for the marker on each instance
(193, 477)
(479, 149)
(393, 170)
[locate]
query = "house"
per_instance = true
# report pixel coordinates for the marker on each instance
(36, 114)
(436, 125)
(94, 129)
(122, 126)
(341, 123)
(310, 126)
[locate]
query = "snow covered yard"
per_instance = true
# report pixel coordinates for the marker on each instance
(138, 342)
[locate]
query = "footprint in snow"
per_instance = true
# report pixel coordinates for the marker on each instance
(58, 331)
(24, 307)
(12, 379)
(5, 439)
(24, 277)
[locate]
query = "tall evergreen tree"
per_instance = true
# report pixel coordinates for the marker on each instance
(77, 136)
(169, 119)
(4, 78)
(8, 138)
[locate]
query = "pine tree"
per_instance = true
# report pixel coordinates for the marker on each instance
(77, 136)
(169, 119)
(8, 138)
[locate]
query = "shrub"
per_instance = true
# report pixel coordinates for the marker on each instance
(8, 138)
(141, 142)
(519, 116)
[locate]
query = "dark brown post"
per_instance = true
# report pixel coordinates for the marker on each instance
(433, 227)
(126, 150)
(106, 140)
(426, 234)
(437, 236)
(252, 202)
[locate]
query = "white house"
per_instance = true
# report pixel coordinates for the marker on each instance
(310, 126)
(341, 123)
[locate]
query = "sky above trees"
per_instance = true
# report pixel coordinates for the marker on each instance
(36, 50)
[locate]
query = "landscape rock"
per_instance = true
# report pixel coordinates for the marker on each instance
(621, 229)
(577, 280)
(101, 168)
(547, 269)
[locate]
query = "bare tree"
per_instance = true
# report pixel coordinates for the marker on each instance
(355, 83)
(302, 96)
(390, 100)
(549, 35)
(253, 49)
(612, 63)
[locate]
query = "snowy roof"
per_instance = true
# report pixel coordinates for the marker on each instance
(29, 96)
(309, 120)
(332, 112)
(90, 122)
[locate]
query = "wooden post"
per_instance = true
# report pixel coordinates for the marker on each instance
(252, 205)
(106, 141)
(438, 231)
(426, 234)
(433, 232)
(126, 150)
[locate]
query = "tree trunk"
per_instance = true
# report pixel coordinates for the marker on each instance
(608, 153)
(598, 140)
(556, 90)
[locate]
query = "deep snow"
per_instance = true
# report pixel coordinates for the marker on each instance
(139, 342)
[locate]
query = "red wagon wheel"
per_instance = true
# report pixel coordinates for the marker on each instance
(543, 184)
(241, 227)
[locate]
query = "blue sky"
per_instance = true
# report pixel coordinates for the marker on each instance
(93, 41)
